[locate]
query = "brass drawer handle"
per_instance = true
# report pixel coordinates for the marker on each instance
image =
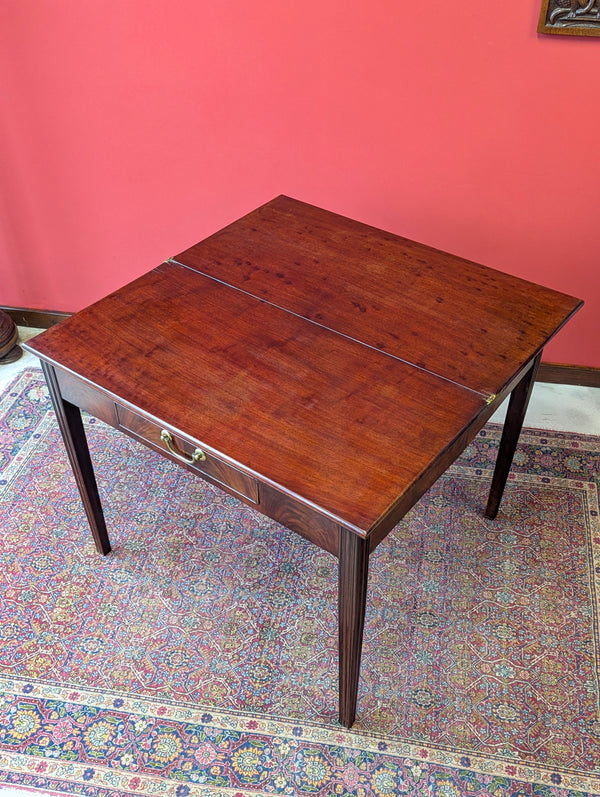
(197, 456)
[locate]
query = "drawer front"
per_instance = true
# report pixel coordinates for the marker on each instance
(203, 463)
(86, 397)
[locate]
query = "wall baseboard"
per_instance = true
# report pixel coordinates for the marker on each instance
(568, 374)
(40, 319)
(555, 373)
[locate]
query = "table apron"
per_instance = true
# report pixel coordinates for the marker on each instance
(269, 501)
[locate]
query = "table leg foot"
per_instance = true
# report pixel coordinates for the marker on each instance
(352, 594)
(73, 434)
(515, 415)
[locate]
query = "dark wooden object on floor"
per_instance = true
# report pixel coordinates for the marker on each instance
(9, 335)
(323, 371)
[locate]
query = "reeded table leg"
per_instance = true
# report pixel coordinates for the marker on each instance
(73, 434)
(352, 594)
(515, 415)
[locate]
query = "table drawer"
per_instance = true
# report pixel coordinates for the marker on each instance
(178, 448)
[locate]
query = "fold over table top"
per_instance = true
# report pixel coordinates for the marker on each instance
(468, 323)
(334, 361)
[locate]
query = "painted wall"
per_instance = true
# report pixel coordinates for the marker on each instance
(130, 130)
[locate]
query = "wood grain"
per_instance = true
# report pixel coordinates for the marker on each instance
(468, 323)
(69, 420)
(334, 424)
(329, 372)
(515, 415)
(352, 598)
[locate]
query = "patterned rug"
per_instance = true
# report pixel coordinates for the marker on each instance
(200, 656)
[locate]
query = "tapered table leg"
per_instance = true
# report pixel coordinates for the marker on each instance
(352, 594)
(515, 415)
(73, 434)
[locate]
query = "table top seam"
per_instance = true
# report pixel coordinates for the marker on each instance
(485, 396)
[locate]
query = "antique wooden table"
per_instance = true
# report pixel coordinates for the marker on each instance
(321, 370)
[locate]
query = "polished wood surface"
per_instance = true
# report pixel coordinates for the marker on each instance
(322, 371)
(558, 373)
(468, 323)
(352, 599)
(515, 415)
(322, 418)
(70, 423)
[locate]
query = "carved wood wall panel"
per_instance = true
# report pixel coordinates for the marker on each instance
(570, 17)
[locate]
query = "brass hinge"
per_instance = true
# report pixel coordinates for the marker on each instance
(490, 399)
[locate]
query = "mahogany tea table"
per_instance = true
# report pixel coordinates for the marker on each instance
(323, 371)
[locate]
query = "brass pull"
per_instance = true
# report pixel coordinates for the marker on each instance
(197, 456)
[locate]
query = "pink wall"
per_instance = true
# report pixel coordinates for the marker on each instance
(130, 130)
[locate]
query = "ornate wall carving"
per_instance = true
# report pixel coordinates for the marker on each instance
(570, 17)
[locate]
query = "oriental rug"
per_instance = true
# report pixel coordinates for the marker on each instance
(200, 656)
